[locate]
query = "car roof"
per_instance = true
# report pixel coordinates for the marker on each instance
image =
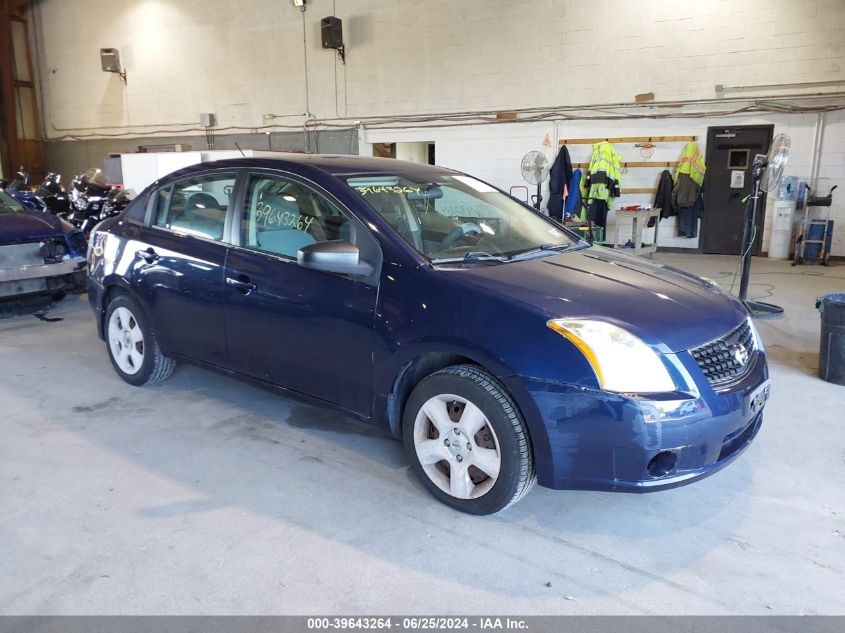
(332, 164)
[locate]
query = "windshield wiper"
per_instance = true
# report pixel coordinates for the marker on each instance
(544, 248)
(471, 258)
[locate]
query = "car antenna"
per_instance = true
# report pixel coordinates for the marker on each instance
(240, 150)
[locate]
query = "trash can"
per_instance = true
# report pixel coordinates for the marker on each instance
(832, 343)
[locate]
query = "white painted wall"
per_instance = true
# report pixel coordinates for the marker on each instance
(414, 152)
(243, 60)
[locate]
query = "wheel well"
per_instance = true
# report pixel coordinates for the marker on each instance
(408, 378)
(108, 296)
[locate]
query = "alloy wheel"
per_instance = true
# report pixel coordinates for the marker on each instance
(126, 341)
(456, 446)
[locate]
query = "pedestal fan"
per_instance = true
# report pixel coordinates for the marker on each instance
(535, 170)
(766, 172)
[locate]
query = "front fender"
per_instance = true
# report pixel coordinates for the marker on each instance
(387, 372)
(390, 397)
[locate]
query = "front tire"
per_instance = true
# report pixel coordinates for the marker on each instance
(467, 441)
(133, 350)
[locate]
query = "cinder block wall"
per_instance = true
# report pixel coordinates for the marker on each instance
(244, 60)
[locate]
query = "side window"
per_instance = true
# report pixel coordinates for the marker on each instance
(280, 216)
(196, 206)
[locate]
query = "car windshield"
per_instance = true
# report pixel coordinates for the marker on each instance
(455, 217)
(8, 204)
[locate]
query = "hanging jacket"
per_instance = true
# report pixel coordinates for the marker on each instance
(700, 204)
(573, 200)
(663, 197)
(602, 180)
(684, 193)
(688, 217)
(689, 177)
(691, 163)
(559, 176)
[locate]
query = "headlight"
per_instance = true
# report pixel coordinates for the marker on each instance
(621, 361)
(80, 203)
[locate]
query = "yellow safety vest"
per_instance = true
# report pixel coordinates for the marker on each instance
(602, 180)
(691, 163)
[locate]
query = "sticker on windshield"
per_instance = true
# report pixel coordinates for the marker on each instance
(387, 189)
(479, 186)
(555, 232)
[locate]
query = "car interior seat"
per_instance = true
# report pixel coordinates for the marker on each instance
(201, 214)
(390, 207)
(309, 210)
(282, 236)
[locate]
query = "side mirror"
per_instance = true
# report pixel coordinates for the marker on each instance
(334, 256)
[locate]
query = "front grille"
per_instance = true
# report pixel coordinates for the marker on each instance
(727, 359)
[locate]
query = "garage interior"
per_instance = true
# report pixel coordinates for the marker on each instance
(205, 495)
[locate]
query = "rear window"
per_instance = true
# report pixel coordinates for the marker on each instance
(196, 206)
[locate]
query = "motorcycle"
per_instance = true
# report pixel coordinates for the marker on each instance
(51, 193)
(116, 201)
(88, 195)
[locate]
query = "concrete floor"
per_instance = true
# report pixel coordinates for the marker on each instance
(204, 495)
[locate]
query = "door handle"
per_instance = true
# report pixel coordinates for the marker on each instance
(149, 255)
(242, 285)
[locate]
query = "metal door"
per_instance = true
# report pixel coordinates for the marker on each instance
(730, 155)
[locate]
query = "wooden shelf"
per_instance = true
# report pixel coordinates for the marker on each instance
(639, 190)
(643, 163)
(628, 139)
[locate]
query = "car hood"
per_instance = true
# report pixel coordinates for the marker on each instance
(667, 308)
(30, 225)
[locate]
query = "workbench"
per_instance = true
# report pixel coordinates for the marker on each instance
(640, 221)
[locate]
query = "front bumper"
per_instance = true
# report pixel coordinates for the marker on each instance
(596, 440)
(35, 271)
(34, 278)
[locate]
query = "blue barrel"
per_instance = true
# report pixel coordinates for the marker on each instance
(832, 342)
(816, 232)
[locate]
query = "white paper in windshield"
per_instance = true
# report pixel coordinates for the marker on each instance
(479, 186)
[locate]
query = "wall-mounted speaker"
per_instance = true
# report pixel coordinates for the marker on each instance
(110, 60)
(331, 28)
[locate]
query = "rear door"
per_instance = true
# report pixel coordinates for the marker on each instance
(179, 260)
(306, 330)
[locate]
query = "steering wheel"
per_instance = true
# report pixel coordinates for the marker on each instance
(458, 232)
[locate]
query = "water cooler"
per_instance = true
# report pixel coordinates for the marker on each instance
(782, 219)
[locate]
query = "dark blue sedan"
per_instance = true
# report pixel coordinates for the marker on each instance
(500, 347)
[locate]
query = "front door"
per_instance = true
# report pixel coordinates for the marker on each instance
(179, 266)
(730, 155)
(302, 329)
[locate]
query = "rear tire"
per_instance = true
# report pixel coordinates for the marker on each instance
(467, 441)
(133, 349)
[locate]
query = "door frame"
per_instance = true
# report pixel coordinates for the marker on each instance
(709, 161)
